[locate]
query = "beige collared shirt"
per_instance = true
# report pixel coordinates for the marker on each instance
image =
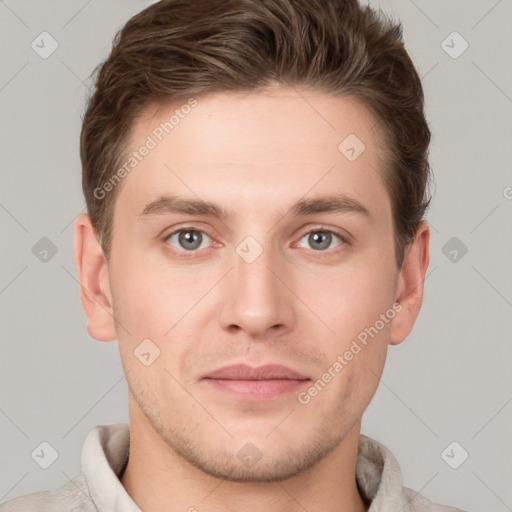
(105, 454)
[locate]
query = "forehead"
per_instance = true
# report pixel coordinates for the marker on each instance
(255, 149)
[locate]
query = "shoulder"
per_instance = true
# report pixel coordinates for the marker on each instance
(415, 502)
(71, 497)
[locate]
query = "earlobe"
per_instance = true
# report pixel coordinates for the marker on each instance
(410, 284)
(93, 276)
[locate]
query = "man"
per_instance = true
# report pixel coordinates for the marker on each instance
(255, 174)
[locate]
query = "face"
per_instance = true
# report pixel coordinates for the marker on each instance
(256, 307)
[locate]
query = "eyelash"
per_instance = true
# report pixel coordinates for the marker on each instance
(194, 253)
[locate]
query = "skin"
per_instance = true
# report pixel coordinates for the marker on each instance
(297, 305)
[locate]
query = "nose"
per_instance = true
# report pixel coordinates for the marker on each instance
(257, 297)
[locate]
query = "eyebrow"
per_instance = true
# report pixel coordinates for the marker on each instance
(334, 203)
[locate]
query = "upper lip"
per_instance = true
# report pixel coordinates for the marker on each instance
(246, 372)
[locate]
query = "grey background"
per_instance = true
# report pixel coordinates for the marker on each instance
(450, 381)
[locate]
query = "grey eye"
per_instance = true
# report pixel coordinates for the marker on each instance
(188, 239)
(320, 240)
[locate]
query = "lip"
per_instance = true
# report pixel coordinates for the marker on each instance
(246, 372)
(256, 383)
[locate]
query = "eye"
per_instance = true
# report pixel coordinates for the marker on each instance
(187, 239)
(321, 239)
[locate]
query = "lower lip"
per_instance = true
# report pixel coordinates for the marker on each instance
(257, 389)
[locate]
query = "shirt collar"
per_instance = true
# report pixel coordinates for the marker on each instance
(378, 476)
(104, 457)
(106, 448)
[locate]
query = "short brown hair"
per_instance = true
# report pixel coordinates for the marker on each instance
(180, 48)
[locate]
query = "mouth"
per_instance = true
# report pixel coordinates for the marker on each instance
(260, 383)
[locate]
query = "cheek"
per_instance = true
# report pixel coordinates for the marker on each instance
(149, 296)
(156, 301)
(350, 298)
(357, 306)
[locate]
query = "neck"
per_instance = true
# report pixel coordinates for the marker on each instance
(160, 480)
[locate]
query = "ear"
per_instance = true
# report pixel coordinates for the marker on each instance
(410, 284)
(93, 276)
